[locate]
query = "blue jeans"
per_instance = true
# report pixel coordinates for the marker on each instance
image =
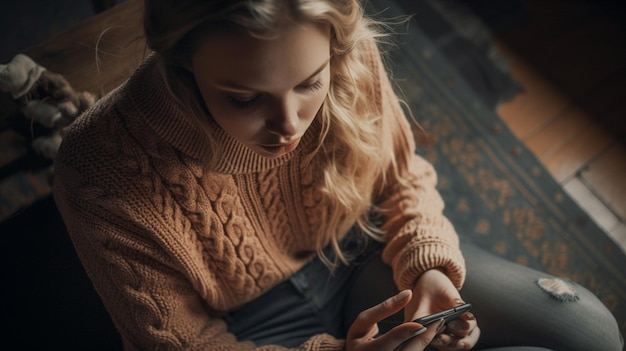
(513, 312)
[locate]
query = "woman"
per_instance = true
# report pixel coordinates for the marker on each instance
(221, 198)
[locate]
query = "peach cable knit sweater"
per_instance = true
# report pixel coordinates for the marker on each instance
(170, 249)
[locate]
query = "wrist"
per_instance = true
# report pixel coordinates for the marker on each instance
(431, 271)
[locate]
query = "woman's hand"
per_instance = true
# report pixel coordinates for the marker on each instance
(434, 292)
(364, 329)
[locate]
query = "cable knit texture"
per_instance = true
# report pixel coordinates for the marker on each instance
(171, 249)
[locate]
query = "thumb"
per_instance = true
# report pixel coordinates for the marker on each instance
(368, 319)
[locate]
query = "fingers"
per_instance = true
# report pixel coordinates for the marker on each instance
(461, 334)
(462, 326)
(398, 337)
(366, 321)
(423, 339)
(446, 342)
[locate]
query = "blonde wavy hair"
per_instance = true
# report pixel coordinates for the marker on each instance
(349, 152)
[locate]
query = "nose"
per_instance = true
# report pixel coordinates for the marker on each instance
(284, 119)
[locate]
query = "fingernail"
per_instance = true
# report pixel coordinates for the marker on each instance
(470, 316)
(403, 294)
(419, 331)
(462, 345)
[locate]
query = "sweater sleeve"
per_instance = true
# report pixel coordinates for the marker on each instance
(147, 292)
(418, 236)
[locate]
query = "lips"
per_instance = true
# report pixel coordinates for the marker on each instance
(279, 149)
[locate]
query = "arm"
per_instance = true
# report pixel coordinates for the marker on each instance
(422, 245)
(419, 237)
(148, 292)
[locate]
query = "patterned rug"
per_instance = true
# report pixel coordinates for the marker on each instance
(496, 191)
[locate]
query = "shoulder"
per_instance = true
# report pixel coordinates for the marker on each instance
(107, 143)
(94, 138)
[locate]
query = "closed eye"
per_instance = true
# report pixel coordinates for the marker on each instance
(243, 103)
(313, 87)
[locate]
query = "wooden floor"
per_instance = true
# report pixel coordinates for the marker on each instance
(570, 56)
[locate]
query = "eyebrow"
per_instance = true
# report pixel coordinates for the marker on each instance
(236, 86)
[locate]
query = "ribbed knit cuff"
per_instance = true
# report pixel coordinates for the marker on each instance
(410, 264)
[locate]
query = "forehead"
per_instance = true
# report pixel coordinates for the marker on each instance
(296, 52)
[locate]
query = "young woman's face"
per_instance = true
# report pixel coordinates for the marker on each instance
(265, 93)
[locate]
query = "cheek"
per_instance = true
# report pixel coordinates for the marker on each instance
(238, 124)
(241, 127)
(314, 103)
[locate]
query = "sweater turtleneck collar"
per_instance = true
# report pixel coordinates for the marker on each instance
(152, 101)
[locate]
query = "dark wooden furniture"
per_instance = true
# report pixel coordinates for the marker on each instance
(96, 56)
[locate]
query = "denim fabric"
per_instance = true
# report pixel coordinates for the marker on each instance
(513, 312)
(512, 309)
(308, 303)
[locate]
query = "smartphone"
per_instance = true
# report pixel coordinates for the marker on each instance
(447, 315)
